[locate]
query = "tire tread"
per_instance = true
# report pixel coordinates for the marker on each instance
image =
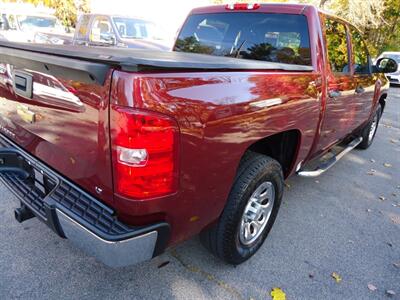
(218, 239)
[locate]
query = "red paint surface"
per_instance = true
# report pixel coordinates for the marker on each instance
(71, 130)
(219, 114)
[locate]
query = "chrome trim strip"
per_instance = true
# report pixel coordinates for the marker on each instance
(330, 163)
(113, 254)
(266, 103)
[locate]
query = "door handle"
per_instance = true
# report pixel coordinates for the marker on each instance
(334, 94)
(23, 84)
(359, 90)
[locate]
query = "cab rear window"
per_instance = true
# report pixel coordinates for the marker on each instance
(279, 38)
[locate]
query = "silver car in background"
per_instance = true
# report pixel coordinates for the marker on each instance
(21, 22)
(394, 78)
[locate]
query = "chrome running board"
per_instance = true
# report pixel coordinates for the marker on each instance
(323, 167)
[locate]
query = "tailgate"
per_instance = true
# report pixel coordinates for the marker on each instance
(57, 109)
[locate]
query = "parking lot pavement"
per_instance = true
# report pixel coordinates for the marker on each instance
(336, 223)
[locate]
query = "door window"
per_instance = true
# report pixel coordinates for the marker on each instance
(12, 22)
(132, 28)
(360, 53)
(101, 30)
(83, 27)
(336, 42)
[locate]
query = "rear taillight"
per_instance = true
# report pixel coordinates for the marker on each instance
(145, 153)
(242, 6)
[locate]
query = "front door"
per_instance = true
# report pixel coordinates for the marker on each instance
(337, 121)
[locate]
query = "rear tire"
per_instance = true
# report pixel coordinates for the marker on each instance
(250, 211)
(369, 131)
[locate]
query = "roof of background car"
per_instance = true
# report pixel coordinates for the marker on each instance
(391, 54)
(116, 16)
(26, 13)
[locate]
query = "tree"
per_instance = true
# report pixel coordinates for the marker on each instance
(386, 37)
(378, 20)
(65, 10)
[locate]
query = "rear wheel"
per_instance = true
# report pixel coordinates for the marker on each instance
(369, 132)
(250, 211)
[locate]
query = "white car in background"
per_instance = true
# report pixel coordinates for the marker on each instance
(394, 78)
(26, 23)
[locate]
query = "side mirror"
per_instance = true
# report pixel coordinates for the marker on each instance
(385, 65)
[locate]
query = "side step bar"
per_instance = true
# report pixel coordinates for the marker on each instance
(331, 162)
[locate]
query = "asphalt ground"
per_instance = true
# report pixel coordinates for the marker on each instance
(335, 223)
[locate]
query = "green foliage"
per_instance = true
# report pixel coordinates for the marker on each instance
(387, 36)
(65, 10)
(337, 45)
(190, 44)
(378, 20)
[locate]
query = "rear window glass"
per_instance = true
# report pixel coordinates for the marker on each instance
(259, 36)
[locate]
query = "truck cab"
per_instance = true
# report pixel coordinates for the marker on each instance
(255, 32)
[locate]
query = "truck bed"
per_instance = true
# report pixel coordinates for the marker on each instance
(132, 60)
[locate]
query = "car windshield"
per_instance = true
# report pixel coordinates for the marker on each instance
(27, 22)
(396, 57)
(130, 28)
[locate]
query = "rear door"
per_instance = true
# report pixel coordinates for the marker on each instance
(60, 115)
(364, 79)
(339, 110)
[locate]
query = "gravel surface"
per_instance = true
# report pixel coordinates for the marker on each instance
(335, 223)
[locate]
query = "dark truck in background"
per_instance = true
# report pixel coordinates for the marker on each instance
(128, 152)
(118, 31)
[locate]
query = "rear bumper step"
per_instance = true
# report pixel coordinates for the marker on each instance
(325, 166)
(74, 214)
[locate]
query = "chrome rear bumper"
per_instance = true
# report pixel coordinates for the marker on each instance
(74, 214)
(112, 253)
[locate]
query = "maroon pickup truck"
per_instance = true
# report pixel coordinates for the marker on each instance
(127, 152)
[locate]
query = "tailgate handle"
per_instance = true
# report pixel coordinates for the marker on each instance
(22, 84)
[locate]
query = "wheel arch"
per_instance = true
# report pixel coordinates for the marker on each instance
(283, 147)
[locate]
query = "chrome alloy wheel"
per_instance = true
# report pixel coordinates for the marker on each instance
(372, 129)
(257, 213)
